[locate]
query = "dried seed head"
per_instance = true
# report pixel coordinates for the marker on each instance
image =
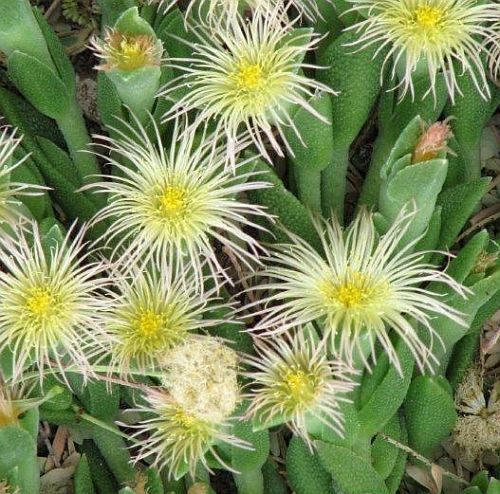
(478, 430)
(201, 375)
(432, 141)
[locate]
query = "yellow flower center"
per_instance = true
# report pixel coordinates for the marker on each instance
(184, 420)
(149, 324)
(249, 77)
(428, 17)
(132, 52)
(41, 302)
(350, 295)
(173, 202)
(300, 385)
(354, 292)
(8, 414)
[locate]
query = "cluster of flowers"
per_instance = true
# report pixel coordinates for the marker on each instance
(139, 305)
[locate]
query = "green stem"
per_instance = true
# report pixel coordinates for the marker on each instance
(100, 369)
(72, 126)
(99, 423)
(308, 186)
(249, 482)
(423, 459)
(334, 182)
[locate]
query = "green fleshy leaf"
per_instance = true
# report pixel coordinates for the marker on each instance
(393, 118)
(285, 206)
(61, 61)
(431, 237)
(314, 148)
(83, 478)
(451, 331)
(465, 351)
(30, 421)
(457, 204)
(393, 482)
(470, 111)
(19, 30)
(461, 265)
(388, 395)
(131, 23)
(417, 184)
(39, 84)
(305, 473)
(384, 454)
(243, 460)
(430, 414)
(351, 473)
(16, 444)
(154, 484)
(274, 483)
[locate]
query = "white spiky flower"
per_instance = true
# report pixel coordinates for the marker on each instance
(247, 77)
(195, 411)
(364, 285)
(294, 381)
(430, 35)
(118, 51)
(171, 205)
(149, 314)
(218, 11)
(494, 53)
(11, 210)
(50, 306)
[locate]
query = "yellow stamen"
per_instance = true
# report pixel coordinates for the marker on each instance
(249, 76)
(41, 302)
(131, 52)
(354, 292)
(428, 17)
(184, 420)
(149, 324)
(300, 385)
(8, 414)
(173, 202)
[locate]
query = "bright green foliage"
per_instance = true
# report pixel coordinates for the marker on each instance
(274, 483)
(393, 117)
(306, 475)
(356, 74)
(405, 183)
(391, 408)
(457, 205)
(430, 413)
(18, 452)
(451, 331)
(249, 460)
(483, 484)
(284, 205)
(470, 113)
(350, 472)
(384, 454)
(83, 478)
(313, 151)
(389, 391)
